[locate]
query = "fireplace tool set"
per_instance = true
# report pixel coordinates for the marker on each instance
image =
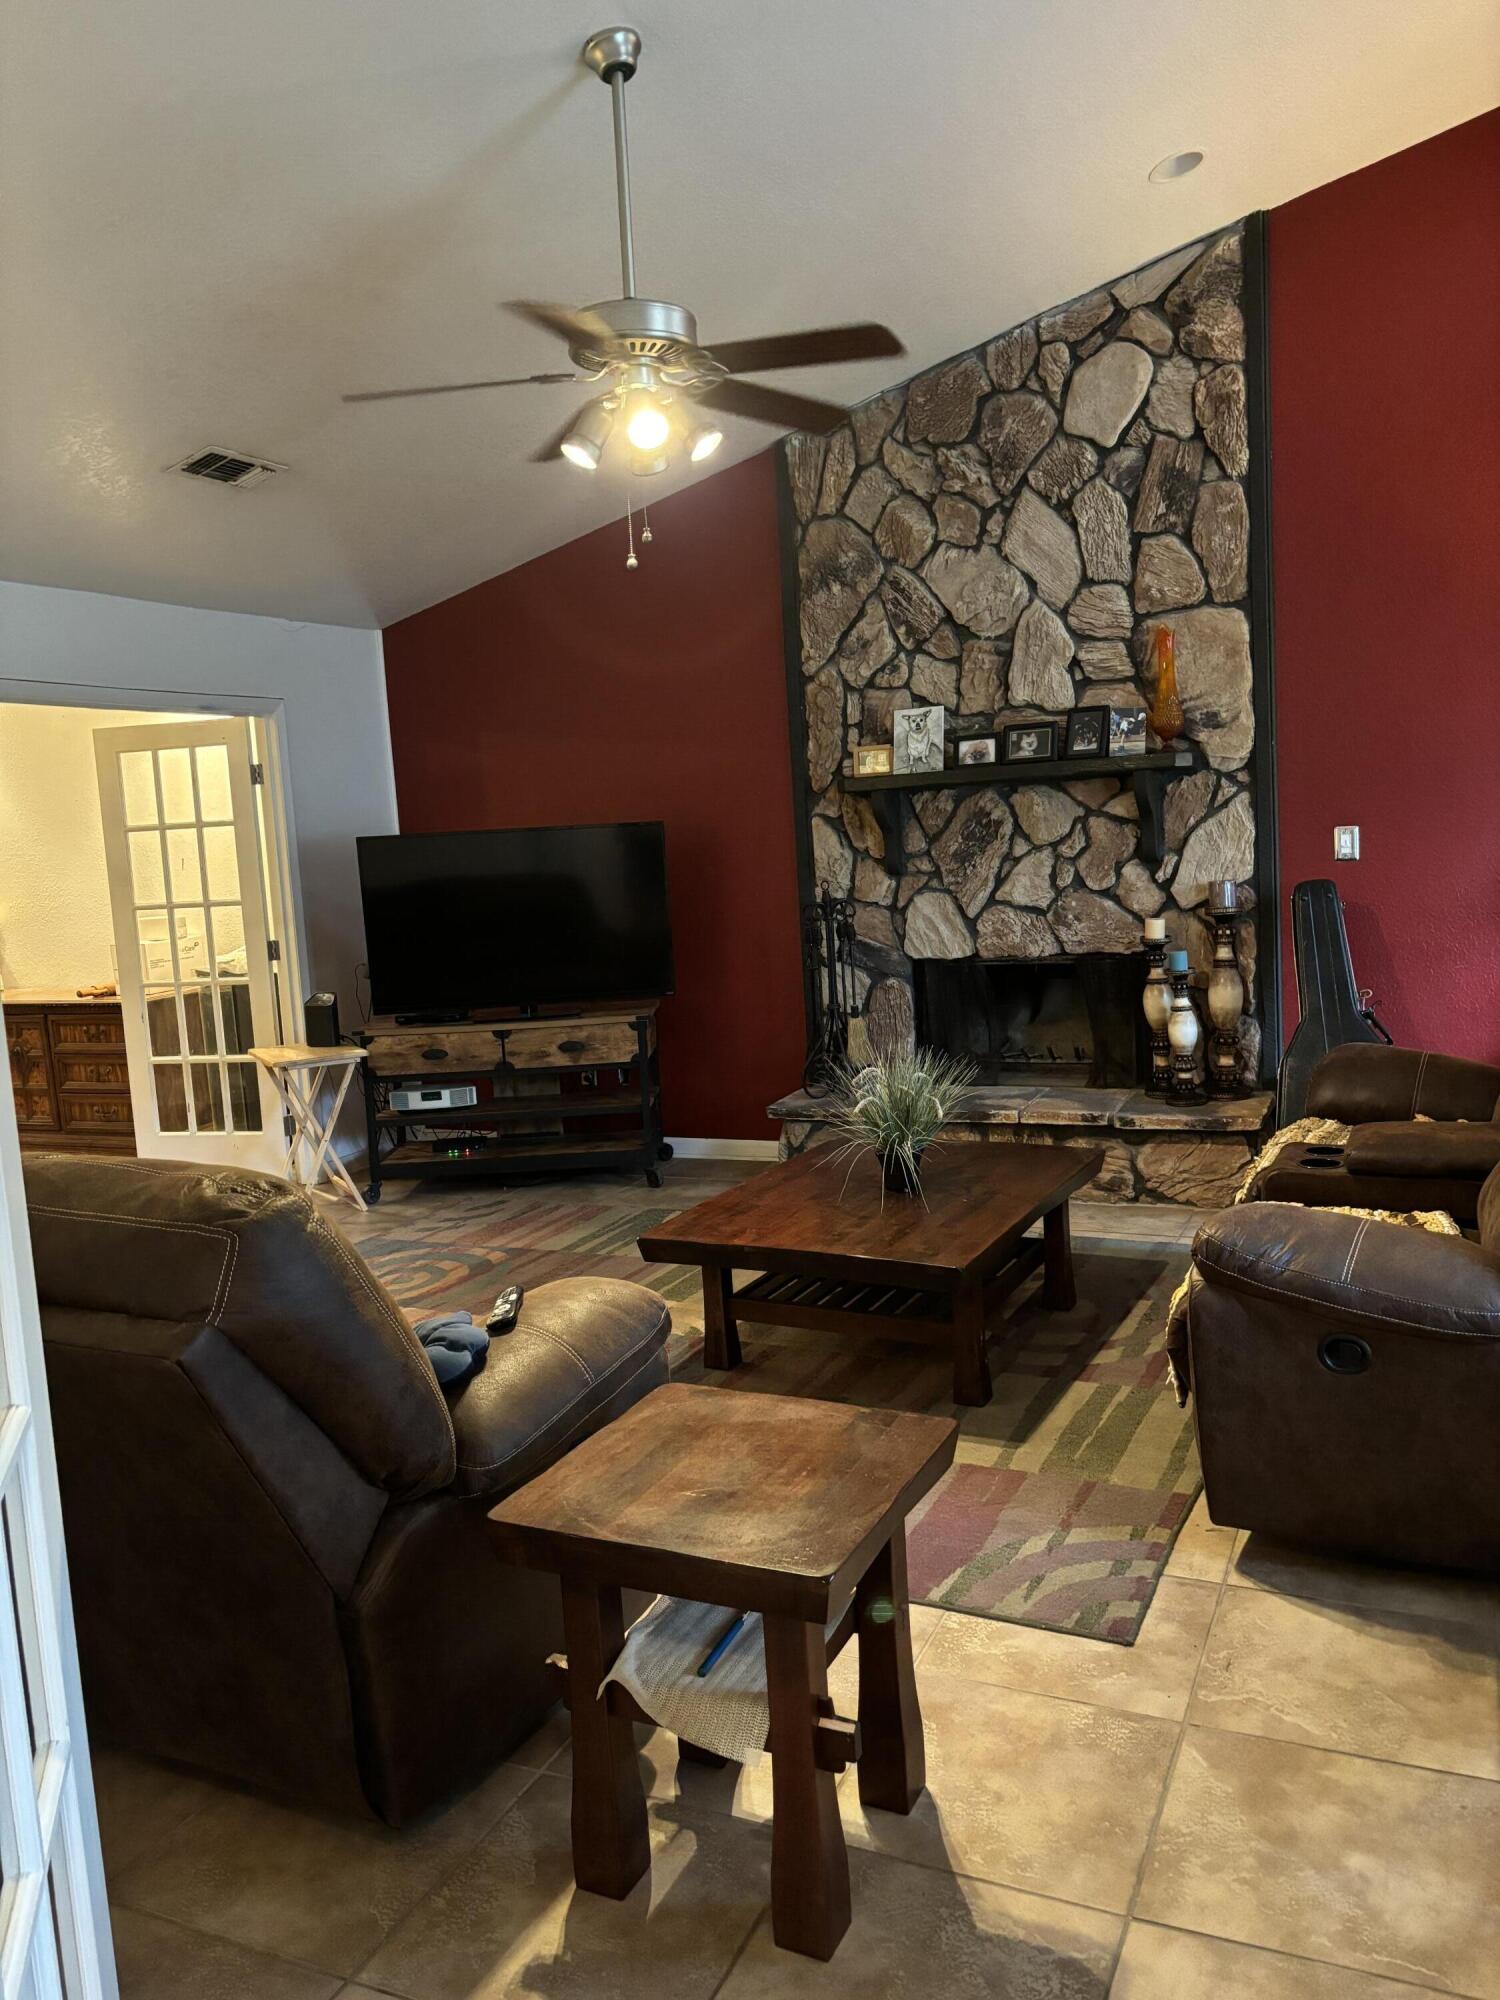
(828, 945)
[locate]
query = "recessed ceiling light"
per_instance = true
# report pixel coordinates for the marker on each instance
(1174, 166)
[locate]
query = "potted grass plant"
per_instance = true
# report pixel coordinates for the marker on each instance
(896, 1107)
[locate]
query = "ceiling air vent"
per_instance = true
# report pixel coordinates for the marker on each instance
(229, 468)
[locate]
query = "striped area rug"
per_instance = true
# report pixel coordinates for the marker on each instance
(1068, 1488)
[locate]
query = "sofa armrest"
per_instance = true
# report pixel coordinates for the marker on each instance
(583, 1350)
(1424, 1150)
(1349, 1271)
(1363, 1083)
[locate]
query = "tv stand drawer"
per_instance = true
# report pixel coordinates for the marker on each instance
(586, 1042)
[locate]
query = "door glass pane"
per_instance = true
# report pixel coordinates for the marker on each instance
(171, 1098)
(162, 1029)
(234, 1002)
(208, 1097)
(244, 1097)
(223, 864)
(147, 880)
(176, 768)
(182, 865)
(156, 948)
(198, 1011)
(229, 940)
(192, 945)
(138, 787)
(214, 797)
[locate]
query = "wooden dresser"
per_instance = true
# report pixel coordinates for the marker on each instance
(67, 1068)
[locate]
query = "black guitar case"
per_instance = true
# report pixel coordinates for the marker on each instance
(1328, 1001)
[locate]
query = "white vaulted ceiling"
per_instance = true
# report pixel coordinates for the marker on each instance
(218, 215)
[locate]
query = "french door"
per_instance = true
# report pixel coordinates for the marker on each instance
(54, 1926)
(188, 898)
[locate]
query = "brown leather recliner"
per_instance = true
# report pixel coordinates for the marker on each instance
(1345, 1380)
(275, 1518)
(1426, 1134)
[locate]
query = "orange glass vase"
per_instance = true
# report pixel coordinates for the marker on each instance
(1165, 715)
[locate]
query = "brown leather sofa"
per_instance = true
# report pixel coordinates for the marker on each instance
(274, 1516)
(1426, 1134)
(1345, 1381)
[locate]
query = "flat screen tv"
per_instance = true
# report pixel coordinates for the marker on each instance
(459, 923)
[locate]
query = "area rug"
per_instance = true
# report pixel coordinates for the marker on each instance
(1068, 1489)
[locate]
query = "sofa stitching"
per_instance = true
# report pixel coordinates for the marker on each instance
(146, 1222)
(547, 1333)
(1353, 1252)
(489, 1465)
(1416, 1089)
(409, 1345)
(1282, 1290)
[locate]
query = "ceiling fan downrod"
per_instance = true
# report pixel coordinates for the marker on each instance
(613, 55)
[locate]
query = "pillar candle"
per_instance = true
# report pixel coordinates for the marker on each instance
(1154, 929)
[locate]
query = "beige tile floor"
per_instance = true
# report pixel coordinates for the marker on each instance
(1288, 1789)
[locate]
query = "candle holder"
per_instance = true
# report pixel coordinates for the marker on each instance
(1185, 1034)
(1156, 1004)
(1226, 994)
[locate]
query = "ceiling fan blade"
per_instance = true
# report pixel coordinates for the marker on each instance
(452, 388)
(574, 324)
(806, 350)
(771, 406)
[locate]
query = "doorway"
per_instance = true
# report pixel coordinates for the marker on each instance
(149, 936)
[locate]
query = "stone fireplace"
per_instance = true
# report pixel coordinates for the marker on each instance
(1001, 537)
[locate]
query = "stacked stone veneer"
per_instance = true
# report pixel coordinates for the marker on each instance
(1001, 537)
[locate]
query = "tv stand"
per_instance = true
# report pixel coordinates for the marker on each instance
(567, 1093)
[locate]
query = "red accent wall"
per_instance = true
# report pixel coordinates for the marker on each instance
(571, 690)
(1385, 401)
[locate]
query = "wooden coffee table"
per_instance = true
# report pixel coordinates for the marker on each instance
(832, 1256)
(777, 1504)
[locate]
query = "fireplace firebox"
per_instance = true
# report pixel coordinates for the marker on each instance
(1062, 1020)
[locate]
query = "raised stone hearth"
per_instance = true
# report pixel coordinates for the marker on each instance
(1196, 1154)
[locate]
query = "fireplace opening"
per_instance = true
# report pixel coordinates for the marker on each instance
(1063, 1020)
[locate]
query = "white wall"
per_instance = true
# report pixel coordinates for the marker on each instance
(329, 680)
(54, 893)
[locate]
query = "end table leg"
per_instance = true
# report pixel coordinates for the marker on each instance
(1059, 1293)
(809, 1864)
(611, 1851)
(971, 1366)
(892, 1759)
(721, 1337)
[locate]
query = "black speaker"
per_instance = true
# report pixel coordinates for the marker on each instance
(322, 1015)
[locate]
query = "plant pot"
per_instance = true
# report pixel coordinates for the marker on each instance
(899, 1175)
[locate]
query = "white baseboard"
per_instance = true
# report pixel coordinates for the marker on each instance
(723, 1149)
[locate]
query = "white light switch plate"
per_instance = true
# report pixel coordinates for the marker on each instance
(1346, 843)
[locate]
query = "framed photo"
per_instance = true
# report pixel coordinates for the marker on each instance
(1088, 733)
(976, 750)
(1127, 732)
(872, 760)
(918, 740)
(1030, 742)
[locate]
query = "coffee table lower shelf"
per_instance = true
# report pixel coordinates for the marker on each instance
(959, 1320)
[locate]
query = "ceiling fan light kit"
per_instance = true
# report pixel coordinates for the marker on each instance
(656, 378)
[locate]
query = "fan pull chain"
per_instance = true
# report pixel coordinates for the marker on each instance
(632, 561)
(645, 525)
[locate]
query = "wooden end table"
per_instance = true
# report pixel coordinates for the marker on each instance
(832, 1255)
(791, 1508)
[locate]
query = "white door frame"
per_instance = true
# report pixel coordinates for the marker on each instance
(51, 1829)
(268, 715)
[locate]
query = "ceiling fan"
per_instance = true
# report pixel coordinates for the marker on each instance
(661, 389)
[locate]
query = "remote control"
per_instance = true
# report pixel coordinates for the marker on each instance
(505, 1311)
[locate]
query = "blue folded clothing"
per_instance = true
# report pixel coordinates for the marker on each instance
(453, 1345)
